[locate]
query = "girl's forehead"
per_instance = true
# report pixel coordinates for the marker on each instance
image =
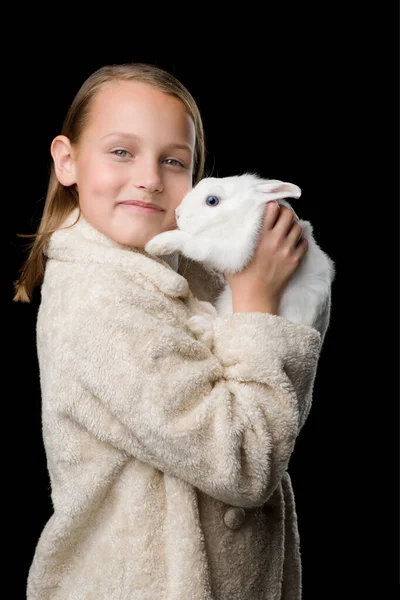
(133, 97)
(128, 106)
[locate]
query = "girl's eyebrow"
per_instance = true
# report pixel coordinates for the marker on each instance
(132, 136)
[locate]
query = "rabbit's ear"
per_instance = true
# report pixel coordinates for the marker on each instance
(273, 189)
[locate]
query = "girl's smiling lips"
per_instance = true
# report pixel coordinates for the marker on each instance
(144, 207)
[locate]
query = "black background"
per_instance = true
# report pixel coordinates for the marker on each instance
(299, 100)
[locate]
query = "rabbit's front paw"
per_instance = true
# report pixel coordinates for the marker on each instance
(199, 324)
(163, 243)
(207, 309)
(202, 329)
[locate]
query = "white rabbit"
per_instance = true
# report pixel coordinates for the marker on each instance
(219, 222)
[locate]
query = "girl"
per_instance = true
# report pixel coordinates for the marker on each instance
(168, 461)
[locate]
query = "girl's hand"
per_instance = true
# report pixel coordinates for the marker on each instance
(278, 255)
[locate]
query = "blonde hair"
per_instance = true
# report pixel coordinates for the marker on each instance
(61, 200)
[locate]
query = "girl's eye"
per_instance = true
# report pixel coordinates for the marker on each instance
(212, 200)
(174, 162)
(121, 153)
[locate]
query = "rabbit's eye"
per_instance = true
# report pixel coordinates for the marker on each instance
(212, 200)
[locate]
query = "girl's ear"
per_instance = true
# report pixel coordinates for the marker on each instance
(273, 189)
(62, 153)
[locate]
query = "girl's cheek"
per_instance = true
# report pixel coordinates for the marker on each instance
(107, 178)
(183, 190)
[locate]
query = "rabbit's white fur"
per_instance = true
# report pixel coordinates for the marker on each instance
(224, 236)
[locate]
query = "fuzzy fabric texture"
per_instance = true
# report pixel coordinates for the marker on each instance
(168, 460)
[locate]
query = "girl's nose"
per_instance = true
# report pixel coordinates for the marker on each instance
(147, 177)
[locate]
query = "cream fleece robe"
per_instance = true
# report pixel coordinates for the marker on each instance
(168, 460)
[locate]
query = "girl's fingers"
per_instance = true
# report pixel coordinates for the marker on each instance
(286, 219)
(295, 233)
(301, 248)
(271, 214)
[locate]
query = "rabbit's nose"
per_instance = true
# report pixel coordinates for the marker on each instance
(177, 213)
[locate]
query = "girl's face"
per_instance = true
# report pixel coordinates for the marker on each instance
(138, 145)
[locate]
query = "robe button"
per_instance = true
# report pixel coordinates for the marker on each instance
(234, 517)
